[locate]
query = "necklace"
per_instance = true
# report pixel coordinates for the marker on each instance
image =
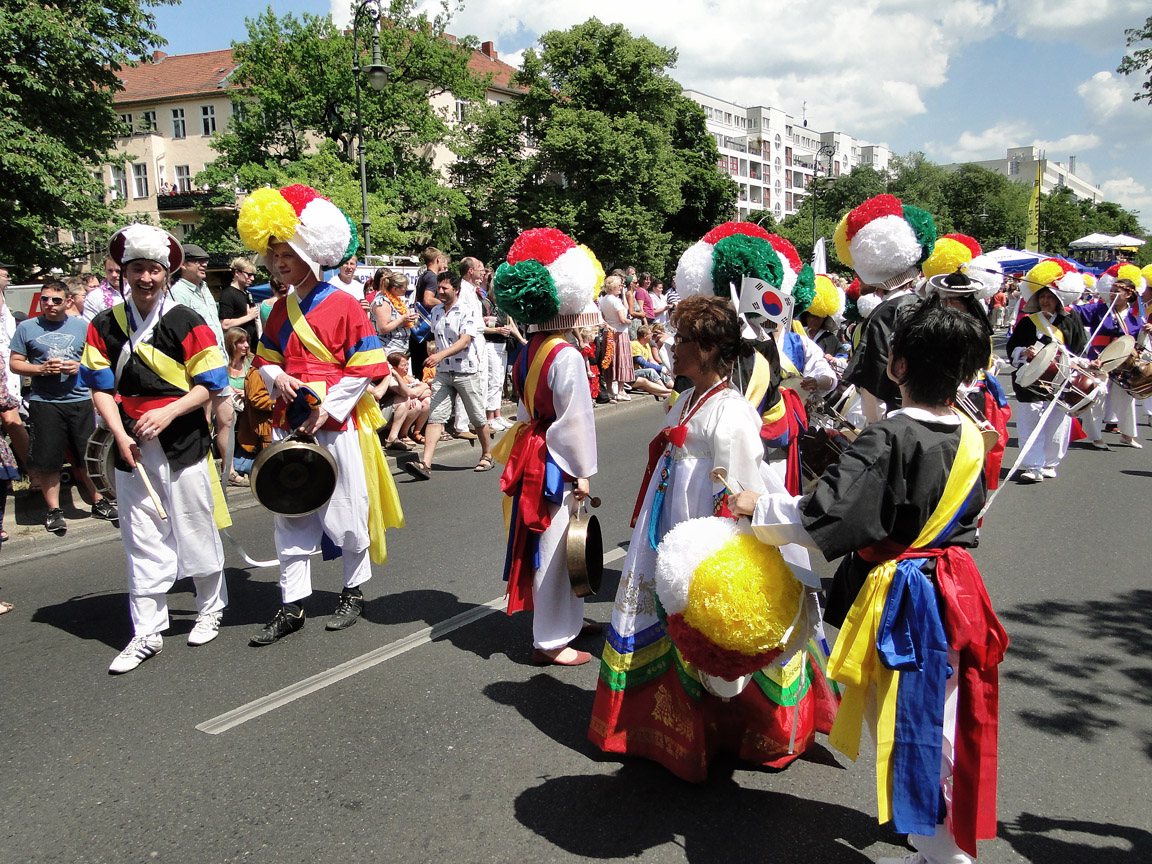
(399, 305)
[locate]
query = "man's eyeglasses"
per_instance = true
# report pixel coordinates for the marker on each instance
(51, 301)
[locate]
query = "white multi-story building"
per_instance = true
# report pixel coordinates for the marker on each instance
(1021, 163)
(772, 157)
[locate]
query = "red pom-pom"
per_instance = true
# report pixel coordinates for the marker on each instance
(787, 251)
(540, 244)
(1071, 268)
(299, 196)
(729, 228)
(873, 208)
(1113, 271)
(709, 657)
(853, 291)
(965, 240)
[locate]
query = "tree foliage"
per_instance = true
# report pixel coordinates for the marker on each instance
(603, 145)
(1139, 61)
(297, 119)
(57, 122)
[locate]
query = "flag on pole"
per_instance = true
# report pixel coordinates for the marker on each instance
(758, 298)
(1032, 241)
(819, 257)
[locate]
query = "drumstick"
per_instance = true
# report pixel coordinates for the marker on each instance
(720, 475)
(151, 492)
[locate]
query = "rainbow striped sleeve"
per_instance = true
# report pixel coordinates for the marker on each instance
(95, 369)
(367, 359)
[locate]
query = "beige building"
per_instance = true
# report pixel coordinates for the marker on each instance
(1020, 166)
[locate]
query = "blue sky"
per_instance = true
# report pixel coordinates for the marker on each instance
(958, 79)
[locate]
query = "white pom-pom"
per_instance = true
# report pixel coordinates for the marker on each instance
(1104, 285)
(323, 232)
(790, 275)
(987, 271)
(1068, 288)
(694, 272)
(575, 279)
(884, 248)
(681, 551)
(867, 304)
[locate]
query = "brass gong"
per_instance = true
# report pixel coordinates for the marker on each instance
(294, 477)
(585, 548)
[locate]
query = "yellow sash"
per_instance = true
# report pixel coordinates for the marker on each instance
(854, 662)
(758, 381)
(384, 510)
(176, 374)
(1043, 325)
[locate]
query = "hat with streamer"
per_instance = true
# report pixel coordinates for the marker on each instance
(548, 281)
(319, 231)
(1062, 278)
(885, 241)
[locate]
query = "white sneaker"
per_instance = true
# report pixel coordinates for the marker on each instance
(499, 424)
(915, 858)
(1032, 475)
(206, 629)
(1049, 473)
(138, 650)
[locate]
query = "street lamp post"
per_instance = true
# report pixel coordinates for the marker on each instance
(828, 150)
(368, 10)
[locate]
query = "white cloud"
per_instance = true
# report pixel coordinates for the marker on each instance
(1132, 195)
(988, 144)
(1094, 24)
(341, 12)
(1071, 145)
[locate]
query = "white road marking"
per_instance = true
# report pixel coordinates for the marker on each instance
(292, 692)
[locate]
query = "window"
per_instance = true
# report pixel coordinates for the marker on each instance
(126, 119)
(727, 118)
(208, 119)
(777, 163)
(461, 109)
(777, 143)
(788, 201)
(183, 178)
(119, 184)
(186, 228)
(148, 121)
(139, 181)
(178, 123)
(1013, 167)
(788, 177)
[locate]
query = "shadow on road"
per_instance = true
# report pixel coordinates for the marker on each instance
(1089, 687)
(642, 807)
(1041, 839)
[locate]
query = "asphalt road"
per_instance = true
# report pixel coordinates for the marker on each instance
(456, 749)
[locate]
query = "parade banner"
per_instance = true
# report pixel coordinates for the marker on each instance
(1032, 241)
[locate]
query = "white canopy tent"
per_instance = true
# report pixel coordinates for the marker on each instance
(1105, 241)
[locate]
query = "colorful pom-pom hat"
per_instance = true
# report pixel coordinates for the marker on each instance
(885, 241)
(548, 281)
(829, 301)
(136, 242)
(733, 250)
(1062, 278)
(1120, 271)
(319, 231)
(731, 603)
(958, 267)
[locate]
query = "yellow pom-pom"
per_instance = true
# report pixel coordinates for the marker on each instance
(827, 301)
(1089, 280)
(840, 239)
(743, 597)
(597, 266)
(1128, 271)
(1044, 274)
(1147, 273)
(265, 214)
(946, 257)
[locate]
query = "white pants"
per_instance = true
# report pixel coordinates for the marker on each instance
(162, 550)
(1052, 443)
(497, 364)
(1120, 405)
(558, 614)
(344, 519)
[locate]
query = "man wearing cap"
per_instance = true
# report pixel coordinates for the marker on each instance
(317, 356)
(161, 359)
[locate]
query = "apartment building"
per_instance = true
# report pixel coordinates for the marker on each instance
(772, 156)
(1020, 164)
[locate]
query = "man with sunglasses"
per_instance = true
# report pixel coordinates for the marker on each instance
(48, 348)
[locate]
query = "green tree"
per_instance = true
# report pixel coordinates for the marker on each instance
(296, 119)
(1061, 221)
(1139, 61)
(602, 146)
(57, 121)
(986, 205)
(920, 182)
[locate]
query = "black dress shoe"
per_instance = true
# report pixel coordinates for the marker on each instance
(282, 623)
(348, 610)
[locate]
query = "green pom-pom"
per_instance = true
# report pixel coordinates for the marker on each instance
(925, 228)
(525, 292)
(354, 240)
(804, 291)
(738, 256)
(851, 313)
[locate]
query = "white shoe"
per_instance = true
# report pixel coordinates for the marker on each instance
(137, 651)
(499, 424)
(1049, 473)
(206, 629)
(916, 858)
(1032, 475)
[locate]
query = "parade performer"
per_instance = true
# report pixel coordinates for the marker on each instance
(965, 279)
(885, 242)
(822, 320)
(919, 643)
(318, 354)
(163, 362)
(1044, 292)
(649, 700)
(1119, 312)
(550, 453)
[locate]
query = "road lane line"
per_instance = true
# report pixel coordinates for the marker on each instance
(265, 704)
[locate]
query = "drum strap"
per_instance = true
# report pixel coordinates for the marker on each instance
(1043, 325)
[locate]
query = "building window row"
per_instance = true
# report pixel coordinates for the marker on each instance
(148, 122)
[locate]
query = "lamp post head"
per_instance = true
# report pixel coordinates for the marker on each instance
(377, 73)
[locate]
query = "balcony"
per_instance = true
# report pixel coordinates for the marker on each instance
(192, 200)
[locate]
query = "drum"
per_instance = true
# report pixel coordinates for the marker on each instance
(1053, 369)
(820, 448)
(100, 462)
(1129, 366)
(970, 407)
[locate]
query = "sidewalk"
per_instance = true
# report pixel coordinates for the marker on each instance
(25, 515)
